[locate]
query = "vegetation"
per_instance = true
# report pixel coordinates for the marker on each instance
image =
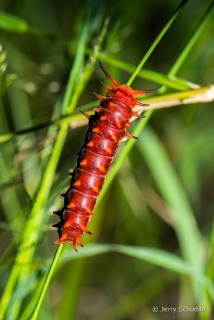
(152, 232)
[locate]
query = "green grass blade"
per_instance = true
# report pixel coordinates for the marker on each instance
(157, 40)
(116, 165)
(11, 23)
(80, 87)
(31, 232)
(173, 193)
(192, 40)
(46, 283)
(154, 76)
(75, 71)
(157, 257)
(170, 262)
(178, 84)
(27, 312)
(207, 299)
(88, 68)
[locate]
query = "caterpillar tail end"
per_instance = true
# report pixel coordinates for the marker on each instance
(73, 244)
(70, 237)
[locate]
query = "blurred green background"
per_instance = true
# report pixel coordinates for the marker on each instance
(35, 61)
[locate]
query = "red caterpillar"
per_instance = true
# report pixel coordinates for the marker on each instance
(106, 129)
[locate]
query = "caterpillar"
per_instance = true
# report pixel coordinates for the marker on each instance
(107, 127)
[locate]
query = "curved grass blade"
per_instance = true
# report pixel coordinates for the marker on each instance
(157, 257)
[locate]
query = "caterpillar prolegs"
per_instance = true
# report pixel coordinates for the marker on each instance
(106, 129)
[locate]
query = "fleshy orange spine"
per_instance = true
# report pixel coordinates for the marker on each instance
(107, 127)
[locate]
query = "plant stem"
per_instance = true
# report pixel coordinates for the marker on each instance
(46, 282)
